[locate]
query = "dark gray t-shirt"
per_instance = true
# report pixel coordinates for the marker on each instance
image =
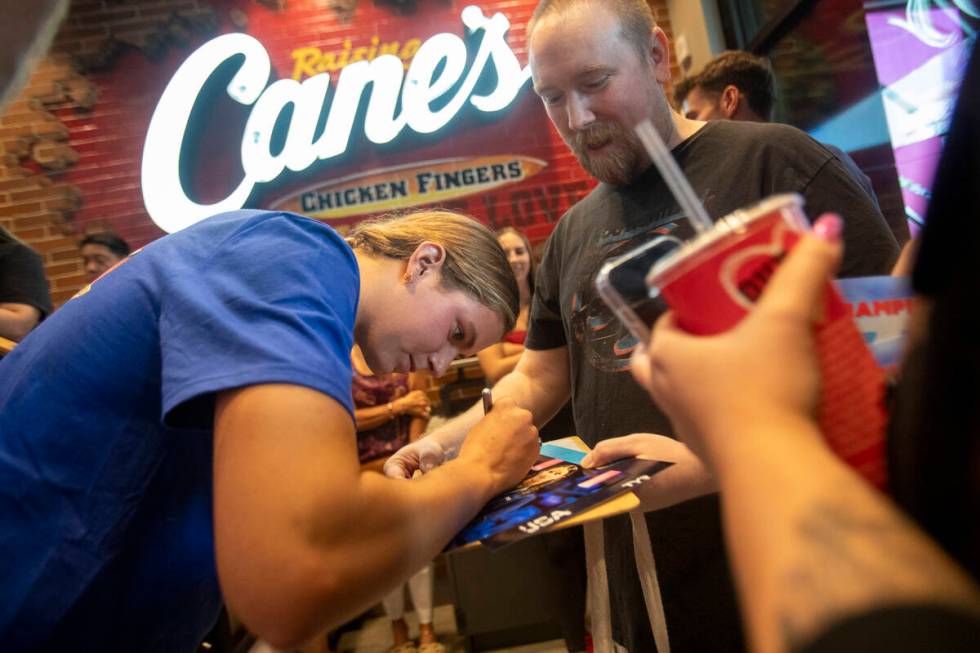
(862, 179)
(730, 165)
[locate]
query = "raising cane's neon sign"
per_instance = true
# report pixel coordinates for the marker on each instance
(438, 67)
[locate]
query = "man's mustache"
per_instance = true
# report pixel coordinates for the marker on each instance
(596, 135)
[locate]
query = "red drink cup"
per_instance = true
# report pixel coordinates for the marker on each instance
(712, 282)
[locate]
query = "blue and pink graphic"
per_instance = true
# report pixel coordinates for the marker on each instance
(881, 308)
(920, 52)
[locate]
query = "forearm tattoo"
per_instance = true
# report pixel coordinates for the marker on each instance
(850, 557)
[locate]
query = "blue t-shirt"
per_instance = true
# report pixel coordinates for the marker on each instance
(106, 412)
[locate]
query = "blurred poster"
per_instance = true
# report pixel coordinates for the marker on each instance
(920, 51)
(881, 308)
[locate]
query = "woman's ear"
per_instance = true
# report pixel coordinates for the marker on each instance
(427, 258)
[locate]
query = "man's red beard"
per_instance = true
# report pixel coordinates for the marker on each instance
(618, 161)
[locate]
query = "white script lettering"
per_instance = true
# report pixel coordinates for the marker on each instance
(436, 69)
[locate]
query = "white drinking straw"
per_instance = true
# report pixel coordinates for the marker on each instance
(671, 172)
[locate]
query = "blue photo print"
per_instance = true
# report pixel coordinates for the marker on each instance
(552, 492)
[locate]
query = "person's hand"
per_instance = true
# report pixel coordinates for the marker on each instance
(423, 455)
(505, 442)
(415, 403)
(686, 479)
(765, 368)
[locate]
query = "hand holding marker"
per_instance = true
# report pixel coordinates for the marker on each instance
(487, 397)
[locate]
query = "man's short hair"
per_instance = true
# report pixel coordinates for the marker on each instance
(748, 73)
(635, 18)
(113, 242)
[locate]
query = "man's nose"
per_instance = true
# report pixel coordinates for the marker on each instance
(580, 115)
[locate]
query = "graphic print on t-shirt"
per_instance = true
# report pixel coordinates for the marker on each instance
(606, 342)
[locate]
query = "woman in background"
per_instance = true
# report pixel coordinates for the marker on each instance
(392, 410)
(564, 549)
(498, 360)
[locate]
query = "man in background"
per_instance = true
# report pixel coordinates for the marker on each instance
(100, 251)
(737, 85)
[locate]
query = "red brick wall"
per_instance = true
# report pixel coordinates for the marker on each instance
(34, 205)
(71, 142)
(51, 171)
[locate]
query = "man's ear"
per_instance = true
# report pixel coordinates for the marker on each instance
(660, 55)
(729, 100)
(427, 258)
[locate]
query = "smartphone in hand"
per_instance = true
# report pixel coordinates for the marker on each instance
(621, 283)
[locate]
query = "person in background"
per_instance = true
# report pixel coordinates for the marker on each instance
(100, 251)
(564, 550)
(737, 85)
(420, 586)
(28, 30)
(220, 461)
(390, 411)
(24, 296)
(594, 94)
(499, 359)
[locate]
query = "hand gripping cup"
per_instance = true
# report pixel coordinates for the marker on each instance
(712, 281)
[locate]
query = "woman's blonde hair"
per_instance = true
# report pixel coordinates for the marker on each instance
(475, 263)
